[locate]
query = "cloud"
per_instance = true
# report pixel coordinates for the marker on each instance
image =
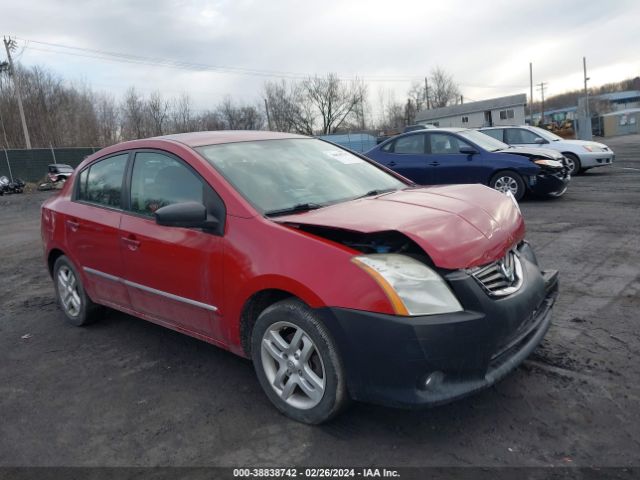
(486, 45)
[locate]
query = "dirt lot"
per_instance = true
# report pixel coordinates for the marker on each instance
(126, 392)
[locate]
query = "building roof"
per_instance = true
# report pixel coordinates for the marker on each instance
(619, 96)
(471, 107)
(622, 112)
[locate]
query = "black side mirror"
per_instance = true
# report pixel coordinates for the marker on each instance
(186, 215)
(468, 150)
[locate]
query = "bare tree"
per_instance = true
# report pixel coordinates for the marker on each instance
(334, 100)
(133, 121)
(209, 120)
(239, 117)
(391, 112)
(280, 100)
(107, 117)
(410, 111)
(289, 107)
(182, 115)
(157, 110)
(443, 90)
(416, 94)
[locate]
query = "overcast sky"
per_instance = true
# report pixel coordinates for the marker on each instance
(487, 45)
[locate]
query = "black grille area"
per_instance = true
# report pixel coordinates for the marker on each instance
(502, 277)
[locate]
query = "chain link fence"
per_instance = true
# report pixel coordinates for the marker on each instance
(31, 165)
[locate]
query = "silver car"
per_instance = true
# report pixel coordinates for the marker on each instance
(581, 155)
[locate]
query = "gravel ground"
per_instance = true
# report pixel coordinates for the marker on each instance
(127, 392)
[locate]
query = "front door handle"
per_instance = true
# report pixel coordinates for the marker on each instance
(73, 225)
(392, 163)
(434, 164)
(131, 243)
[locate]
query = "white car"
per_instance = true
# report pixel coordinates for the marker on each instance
(581, 155)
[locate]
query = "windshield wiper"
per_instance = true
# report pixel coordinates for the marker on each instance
(300, 207)
(372, 193)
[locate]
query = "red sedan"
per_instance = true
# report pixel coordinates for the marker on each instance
(337, 277)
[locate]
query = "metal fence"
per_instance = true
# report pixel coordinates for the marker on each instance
(31, 165)
(359, 141)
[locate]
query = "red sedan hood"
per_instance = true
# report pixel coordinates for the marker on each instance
(459, 226)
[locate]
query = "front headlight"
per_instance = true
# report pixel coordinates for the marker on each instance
(548, 163)
(411, 286)
(592, 148)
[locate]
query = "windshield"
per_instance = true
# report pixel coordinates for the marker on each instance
(546, 134)
(483, 141)
(276, 175)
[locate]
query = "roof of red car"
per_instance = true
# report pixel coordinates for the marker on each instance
(196, 139)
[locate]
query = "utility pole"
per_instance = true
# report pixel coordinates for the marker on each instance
(266, 108)
(461, 99)
(426, 92)
(586, 91)
(530, 93)
(4, 131)
(541, 87)
(9, 45)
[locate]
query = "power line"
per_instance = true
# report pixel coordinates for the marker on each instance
(195, 66)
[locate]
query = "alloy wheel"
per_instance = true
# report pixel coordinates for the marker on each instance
(68, 291)
(506, 184)
(293, 365)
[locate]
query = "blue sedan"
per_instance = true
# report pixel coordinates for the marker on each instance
(457, 155)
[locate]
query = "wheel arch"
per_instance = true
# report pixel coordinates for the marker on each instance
(53, 255)
(253, 307)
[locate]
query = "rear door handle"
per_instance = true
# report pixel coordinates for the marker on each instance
(73, 225)
(392, 163)
(131, 242)
(435, 164)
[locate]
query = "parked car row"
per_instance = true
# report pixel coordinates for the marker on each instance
(515, 159)
(456, 155)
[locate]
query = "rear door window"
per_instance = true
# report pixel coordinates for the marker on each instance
(411, 144)
(101, 182)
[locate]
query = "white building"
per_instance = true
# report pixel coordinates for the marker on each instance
(486, 113)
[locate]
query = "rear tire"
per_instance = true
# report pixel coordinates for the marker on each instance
(573, 162)
(74, 302)
(297, 363)
(508, 181)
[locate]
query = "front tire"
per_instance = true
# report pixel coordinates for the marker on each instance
(573, 163)
(297, 363)
(508, 181)
(74, 302)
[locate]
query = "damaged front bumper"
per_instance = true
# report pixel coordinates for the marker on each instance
(549, 183)
(434, 359)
